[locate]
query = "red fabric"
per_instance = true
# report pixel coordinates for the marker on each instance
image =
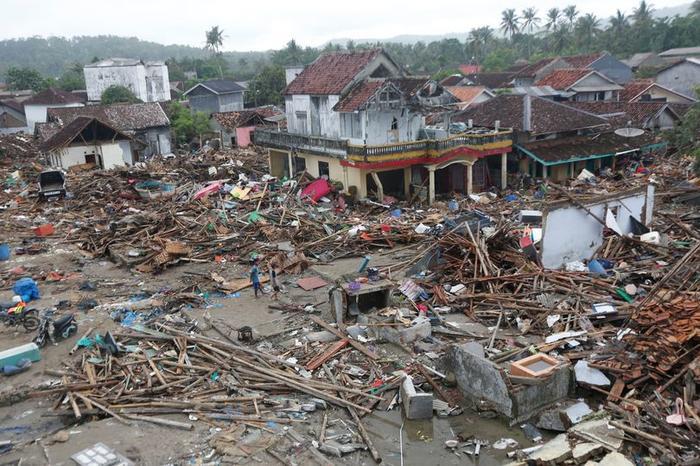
(317, 189)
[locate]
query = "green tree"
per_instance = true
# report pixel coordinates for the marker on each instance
(553, 15)
(118, 94)
(530, 19)
(214, 42)
(187, 125)
(570, 13)
(510, 23)
(267, 86)
(25, 78)
(72, 79)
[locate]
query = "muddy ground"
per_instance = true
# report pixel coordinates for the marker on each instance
(30, 424)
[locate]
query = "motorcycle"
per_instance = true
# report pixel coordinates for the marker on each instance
(54, 330)
(20, 315)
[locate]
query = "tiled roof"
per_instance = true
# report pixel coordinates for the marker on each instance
(561, 150)
(409, 86)
(453, 80)
(13, 104)
(248, 117)
(546, 116)
(619, 113)
(583, 61)
(68, 133)
(218, 86)
(633, 88)
(359, 95)
(124, 117)
(679, 52)
(330, 73)
(490, 80)
(563, 79)
(465, 94)
(44, 131)
(469, 69)
(530, 71)
(53, 96)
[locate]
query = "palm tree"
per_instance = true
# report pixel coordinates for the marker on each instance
(571, 13)
(553, 17)
(695, 8)
(559, 38)
(510, 23)
(587, 28)
(642, 13)
(530, 19)
(479, 39)
(619, 23)
(215, 39)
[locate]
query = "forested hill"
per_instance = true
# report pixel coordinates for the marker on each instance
(51, 56)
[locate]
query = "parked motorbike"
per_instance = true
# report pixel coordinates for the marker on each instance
(55, 330)
(16, 315)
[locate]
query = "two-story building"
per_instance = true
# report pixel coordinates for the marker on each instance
(357, 119)
(149, 81)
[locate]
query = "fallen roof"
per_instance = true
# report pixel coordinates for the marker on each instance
(52, 96)
(359, 95)
(330, 73)
(573, 149)
(97, 131)
(124, 117)
(546, 116)
(218, 86)
(564, 79)
(248, 117)
(619, 113)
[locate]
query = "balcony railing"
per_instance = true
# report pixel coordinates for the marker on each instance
(477, 140)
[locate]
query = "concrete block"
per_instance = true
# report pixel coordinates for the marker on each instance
(480, 379)
(615, 459)
(599, 431)
(415, 405)
(585, 451)
(553, 452)
(406, 335)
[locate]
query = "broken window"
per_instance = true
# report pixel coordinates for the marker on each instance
(299, 164)
(394, 124)
(323, 169)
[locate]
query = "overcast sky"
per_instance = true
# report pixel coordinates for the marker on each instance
(262, 25)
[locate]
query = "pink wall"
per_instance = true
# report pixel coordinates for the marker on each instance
(243, 136)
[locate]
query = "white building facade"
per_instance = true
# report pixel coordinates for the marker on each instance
(149, 81)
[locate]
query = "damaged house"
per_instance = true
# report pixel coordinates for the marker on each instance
(87, 141)
(216, 95)
(36, 107)
(12, 119)
(356, 118)
(235, 128)
(146, 123)
(149, 81)
(557, 140)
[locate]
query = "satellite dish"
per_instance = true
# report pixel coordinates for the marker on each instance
(629, 132)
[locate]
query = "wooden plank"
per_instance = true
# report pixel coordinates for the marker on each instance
(356, 344)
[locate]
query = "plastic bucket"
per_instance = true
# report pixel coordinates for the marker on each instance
(4, 251)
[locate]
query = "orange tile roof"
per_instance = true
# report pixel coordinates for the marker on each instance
(359, 95)
(330, 73)
(465, 94)
(563, 79)
(633, 88)
(583, 61)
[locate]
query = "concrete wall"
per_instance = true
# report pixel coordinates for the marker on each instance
(157, 141)
(659, 93)
(683, 78)
(37, 113)
(480, 379)
(231, 102)
(157, 83)
(377, 126)
(133, 77)
(571, 234)
(613, 68)
(111, 155)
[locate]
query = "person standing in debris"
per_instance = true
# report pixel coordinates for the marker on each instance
(274, 266)
(255, 277)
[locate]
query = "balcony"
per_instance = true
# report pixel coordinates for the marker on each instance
(477, 141)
